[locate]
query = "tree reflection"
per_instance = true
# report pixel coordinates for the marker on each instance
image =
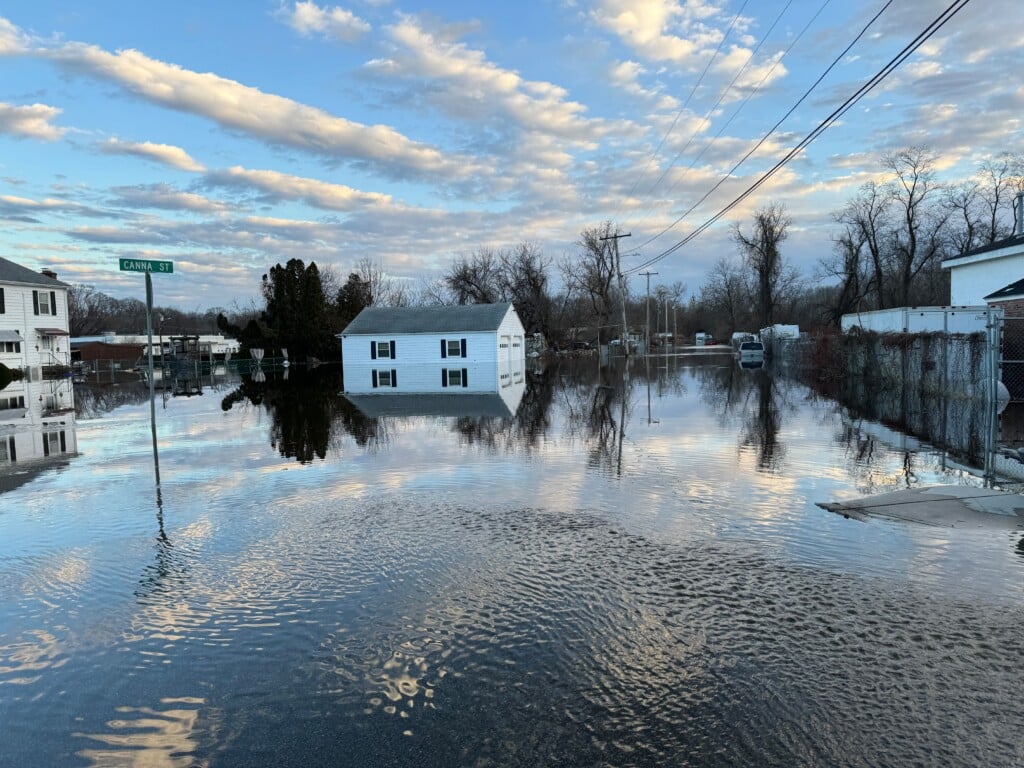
(597, 408)
(764, 422)
(308, 412)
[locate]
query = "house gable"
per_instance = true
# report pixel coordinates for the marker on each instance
(976, 274)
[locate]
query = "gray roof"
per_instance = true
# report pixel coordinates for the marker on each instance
(472, 404)
(1013, 289)
(454, 319)
(1008, 242)
(15, 273)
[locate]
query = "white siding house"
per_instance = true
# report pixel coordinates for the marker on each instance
(37, 417)
(977, 273)
(468, 348)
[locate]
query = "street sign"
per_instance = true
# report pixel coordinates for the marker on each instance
(146, 265)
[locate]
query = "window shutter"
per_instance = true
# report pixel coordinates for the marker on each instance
(465, 379)
(392, 349)
(463, 347)
(444, 376)
(35, 302)
(46, 444)
(13, 451)
(374, 379)
(53, 302)
(373, 352)
(63, 442)
(394, 376)
(444, 348)
(2, 310)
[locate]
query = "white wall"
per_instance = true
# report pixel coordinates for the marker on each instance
(19, 316)
(418, 362)
(971, 282)
(49, 410)
(922, 319)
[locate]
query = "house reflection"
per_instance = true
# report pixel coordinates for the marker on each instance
(37, 428)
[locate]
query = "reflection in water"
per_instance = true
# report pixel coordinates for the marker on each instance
(585, 585)
(142, 737)
(308, 411)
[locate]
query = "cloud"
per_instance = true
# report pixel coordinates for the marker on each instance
(307, 18)
(626, 76)
(660, 30)
(166, 197)
(32, 121)
(466, 85)
(175, 157)
(274, 187)
(26, 209)
(275, 119)
(12, 39)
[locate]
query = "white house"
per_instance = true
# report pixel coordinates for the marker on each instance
(34, 321)
(468, 348)
(37, 417)
(976, 274)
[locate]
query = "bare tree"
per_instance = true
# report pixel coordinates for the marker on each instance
(1001, 178)
(476, 279)
(867, 217)
(727, 295)
(385, 290)
(848, 263)
(920, 237)
(762, 256)
(523, 274)
(591, 275)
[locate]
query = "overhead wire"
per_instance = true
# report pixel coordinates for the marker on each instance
(689, 96)
(771, 130)
(940, 21)
(736, 113)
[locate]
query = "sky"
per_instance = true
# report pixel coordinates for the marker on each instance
(228, 137)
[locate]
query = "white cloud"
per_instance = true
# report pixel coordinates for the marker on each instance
(660, 30)
(166, 197)
(12, 39)
(466, 84)
(166, 154)
(31, 121)
(307, 18)
(275, 119)
(277, 186)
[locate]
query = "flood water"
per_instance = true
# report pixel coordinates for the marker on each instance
(631, 571)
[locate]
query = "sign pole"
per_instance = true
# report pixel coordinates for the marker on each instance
(152, 387)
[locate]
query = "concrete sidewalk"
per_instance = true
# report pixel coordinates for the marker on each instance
(945, 506)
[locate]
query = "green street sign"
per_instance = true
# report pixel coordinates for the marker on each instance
(146, 265)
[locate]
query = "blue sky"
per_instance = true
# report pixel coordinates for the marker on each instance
(230, 136)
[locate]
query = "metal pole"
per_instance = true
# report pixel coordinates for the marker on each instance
(152, 389)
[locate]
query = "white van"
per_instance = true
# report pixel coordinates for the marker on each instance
(703, 339)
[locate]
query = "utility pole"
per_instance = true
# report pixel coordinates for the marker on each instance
(647, 325)
(622, 287)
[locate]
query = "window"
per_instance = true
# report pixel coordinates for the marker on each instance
(385, 378)
(453, 347)
(384, 349)
(10, 347)
(454, 377)
(5, 454)
(7, 403)
(46, 343)
(44, 302)
(3, 309)
(54, 442)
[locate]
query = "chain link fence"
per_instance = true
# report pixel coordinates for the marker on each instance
(1012, 357)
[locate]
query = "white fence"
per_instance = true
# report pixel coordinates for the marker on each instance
(924, 319)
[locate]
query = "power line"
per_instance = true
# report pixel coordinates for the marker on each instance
(686, 103)
(937, 24)
(772, 129)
